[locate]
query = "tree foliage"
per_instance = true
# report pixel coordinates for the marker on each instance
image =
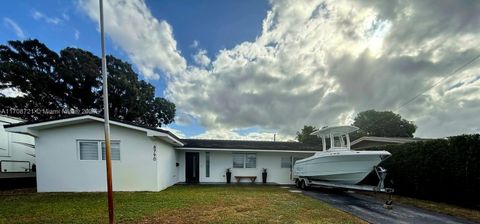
(371, 123)
(72, 81)
(440, 169)
(305, 135)
(382, 124)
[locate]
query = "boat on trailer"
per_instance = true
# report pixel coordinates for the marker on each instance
(337, 163)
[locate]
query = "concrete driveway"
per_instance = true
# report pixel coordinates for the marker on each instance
(371, 209)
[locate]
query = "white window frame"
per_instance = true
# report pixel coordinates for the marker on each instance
(343, 140)
(99, 149)
(244, 160)
(233, 160)
(112, 141)
(289, 159)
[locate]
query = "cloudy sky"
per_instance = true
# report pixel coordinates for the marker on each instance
(248, 69)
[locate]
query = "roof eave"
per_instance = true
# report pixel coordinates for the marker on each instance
(244, 150)
(32, 129)
(165, 137)
(384, 139)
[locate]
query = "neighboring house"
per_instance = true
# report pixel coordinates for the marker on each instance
(17, 151)
(70, 154)
(372, 141)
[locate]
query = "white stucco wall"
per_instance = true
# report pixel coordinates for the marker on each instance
(167, 172)
(60, 169)
(221, 160)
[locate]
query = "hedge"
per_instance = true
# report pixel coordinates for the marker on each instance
(442, 169)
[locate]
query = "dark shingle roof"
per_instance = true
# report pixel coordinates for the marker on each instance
(240, 144)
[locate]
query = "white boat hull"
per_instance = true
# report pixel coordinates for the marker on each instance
(346, 167)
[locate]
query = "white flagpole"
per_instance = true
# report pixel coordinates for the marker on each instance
(107, 122)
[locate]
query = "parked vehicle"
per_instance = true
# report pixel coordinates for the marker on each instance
(17, 152)
(338, 163)
(337, 166)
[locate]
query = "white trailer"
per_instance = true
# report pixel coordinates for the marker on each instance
(17, 152)
(305, 183)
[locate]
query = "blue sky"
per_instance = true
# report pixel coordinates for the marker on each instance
(265, 67)
(214, 25)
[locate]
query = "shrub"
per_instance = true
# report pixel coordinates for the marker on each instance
(442, 170)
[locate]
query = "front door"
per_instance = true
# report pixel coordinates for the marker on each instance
(191, 167)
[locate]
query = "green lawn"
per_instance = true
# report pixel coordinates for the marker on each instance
(177, 204)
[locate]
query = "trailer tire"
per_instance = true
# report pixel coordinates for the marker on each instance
(388, 204)
(303, 185)
(297, 183)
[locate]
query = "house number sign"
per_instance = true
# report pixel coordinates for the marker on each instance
(154, 153)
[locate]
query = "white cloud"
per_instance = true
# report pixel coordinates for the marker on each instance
(233, 135)
(14, 26)
(194, 44)
(149, 42)
(321, 62)
(76, 34)
(37, 15)
(65, 16)
(317, 62)
(201, 58)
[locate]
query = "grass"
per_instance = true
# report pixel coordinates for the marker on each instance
(453, 210)
(177, 204)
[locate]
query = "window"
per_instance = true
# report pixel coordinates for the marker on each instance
(244, 160)
(327, 143)
(340, 141)
(286, 162)
(238, 160)
(343, 140)
(207, 164)
(114, 149)
(251, 161)
(94, 150)
(88, 150)
(336, 141)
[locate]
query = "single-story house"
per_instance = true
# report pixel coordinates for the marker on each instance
(70, 156)
(374, 141)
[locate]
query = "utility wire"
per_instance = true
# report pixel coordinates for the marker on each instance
(428, 89)
(439, 81)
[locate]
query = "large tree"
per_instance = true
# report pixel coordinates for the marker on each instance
(383, 124)
(80, 71)
(30, 67)
(305, 135)
(46, 81)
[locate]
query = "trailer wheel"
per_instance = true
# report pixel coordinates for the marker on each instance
(388, 204)
(297, 183)
(303, 185)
